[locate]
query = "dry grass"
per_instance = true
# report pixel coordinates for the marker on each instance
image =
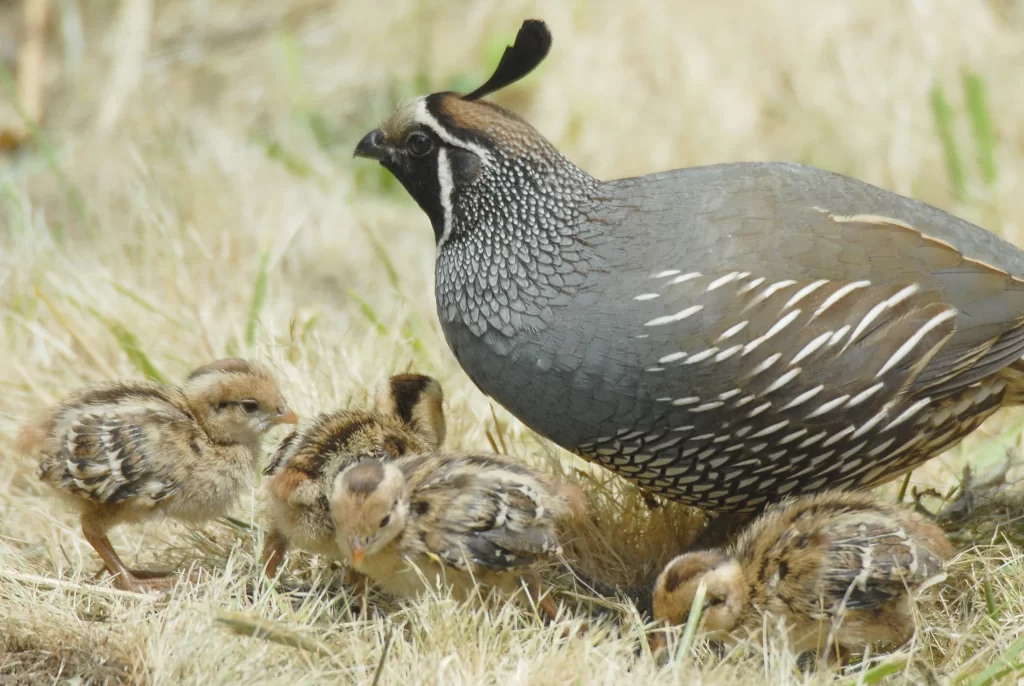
(193, 195)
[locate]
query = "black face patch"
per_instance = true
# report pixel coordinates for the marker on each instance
(465, 167)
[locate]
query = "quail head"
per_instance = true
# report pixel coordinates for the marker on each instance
(407, 418)
(127, 451)
(724, 335)
(836, 568)
(458, 519)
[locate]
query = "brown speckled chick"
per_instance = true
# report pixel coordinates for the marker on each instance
(837, 567)
(407, 418)
(457, 519)
(126, 451)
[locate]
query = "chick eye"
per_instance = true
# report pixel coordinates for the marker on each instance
(384, 522)
(419, 144)
(711, 602)
(250, 406)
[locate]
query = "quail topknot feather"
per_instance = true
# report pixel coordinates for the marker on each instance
(724, 335)
(835, 568)
(127, 451)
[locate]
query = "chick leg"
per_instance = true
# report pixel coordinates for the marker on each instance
(274, 547)
(545, 603)
(123, 577)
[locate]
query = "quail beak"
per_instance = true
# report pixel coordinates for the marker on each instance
(372, 146)
(286, 417)
(358, 555)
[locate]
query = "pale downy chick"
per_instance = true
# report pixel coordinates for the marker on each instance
(453, 519)
(407, 418)
(836, 567)
(126, 451)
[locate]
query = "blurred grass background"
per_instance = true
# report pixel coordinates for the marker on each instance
(190, 193)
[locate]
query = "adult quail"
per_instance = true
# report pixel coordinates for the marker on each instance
(723, 335)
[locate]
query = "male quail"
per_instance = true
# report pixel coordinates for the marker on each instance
(723, 335)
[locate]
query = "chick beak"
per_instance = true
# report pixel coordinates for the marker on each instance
(372, 146)
(358, 554)
(286, 416)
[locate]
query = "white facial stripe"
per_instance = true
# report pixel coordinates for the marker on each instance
(444, 179)
(421, 115)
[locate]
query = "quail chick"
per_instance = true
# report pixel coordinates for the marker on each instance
(126, 451)
(837, 567)
(456, 519)
(407, 418)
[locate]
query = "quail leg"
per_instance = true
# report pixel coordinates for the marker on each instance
(124, 578)
(274, 547)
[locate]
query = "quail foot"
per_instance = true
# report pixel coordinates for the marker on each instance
(128, 451)
(726, 335)
(836, 568)
(463, 520)
(407, 418)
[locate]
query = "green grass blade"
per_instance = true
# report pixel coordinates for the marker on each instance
(690, 630)
(943, 115)
(990, 598)
(879, 672)
(129, 343)
(369, 313)
(981, 125)
(259, 299)
(996, 669)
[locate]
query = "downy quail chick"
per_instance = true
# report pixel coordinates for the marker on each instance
(837, 567)
(456, 519)
(407, 418)
(127, 451)
(723, 335)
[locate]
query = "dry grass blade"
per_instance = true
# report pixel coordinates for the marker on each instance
(257, 627)
(47, 584)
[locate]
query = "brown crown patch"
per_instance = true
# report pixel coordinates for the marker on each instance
(688, 567)
(229, 365)
(364, 477)
(482, 116)
(406, 390)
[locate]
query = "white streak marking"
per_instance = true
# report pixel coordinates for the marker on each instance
(732, 331)
(830, 405)
(869, 424)
(446, 185)
(686, 401)
(864, 395)
(839, 294)
(804, 292)
(685, 277)
(865, 322)
(764, 365)
(759, 409)
(701, 356)
(903, 294)
(812, 440)
(770, 291)
(838, 335)
(838, 437)
(782, 380)
(726, 354)
(907, 414)
(915, 339)
(744, 400)
(811, 347)
(722, 280)
(678, 316)
(667, 272)
(777, 327)
(707, 406)
(752, 285)
(792, 437)
(647, 296)
(729, 394)
(802, 398)
(671, 357)
(655, 369)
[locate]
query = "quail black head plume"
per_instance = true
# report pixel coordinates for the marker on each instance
(722, 335)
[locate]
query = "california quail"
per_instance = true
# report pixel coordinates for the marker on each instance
(722, 335)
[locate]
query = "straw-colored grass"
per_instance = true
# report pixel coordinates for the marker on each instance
(192, 194)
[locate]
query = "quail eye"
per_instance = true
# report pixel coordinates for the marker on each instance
(250, 406)
(419, 144)
(384, 522)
